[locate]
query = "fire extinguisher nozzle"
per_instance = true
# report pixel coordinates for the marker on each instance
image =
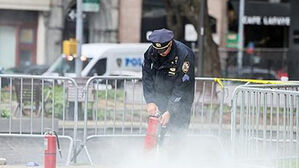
(58, 144)
(60, 153)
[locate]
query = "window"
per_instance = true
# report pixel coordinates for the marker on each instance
(62, 65)
(25, 58)
(99, 68)
(26, 36)
(7, 46)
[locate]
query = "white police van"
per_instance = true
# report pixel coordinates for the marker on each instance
(103, 59)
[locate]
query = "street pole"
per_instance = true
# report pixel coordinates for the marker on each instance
(79, 34)
(201, 38)
(240, 35)
(78, 65)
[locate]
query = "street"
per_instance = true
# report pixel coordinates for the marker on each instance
(118, 152)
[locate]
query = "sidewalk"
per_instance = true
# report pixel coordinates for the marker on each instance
(73, 166)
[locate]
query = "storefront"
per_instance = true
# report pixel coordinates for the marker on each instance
(266, 34)
(266, 24)
(17, 38)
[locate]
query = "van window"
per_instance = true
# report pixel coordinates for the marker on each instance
(99, 68)
(63, 66)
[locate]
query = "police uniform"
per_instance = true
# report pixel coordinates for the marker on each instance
(169, 81)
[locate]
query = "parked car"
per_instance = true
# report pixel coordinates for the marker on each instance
(12, 70)
(258, 73)
(36, 69)
(31, 70)
(5, 81)
(253, 73)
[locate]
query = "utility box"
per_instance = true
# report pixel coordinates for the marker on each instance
(71, 94)
(71, 98)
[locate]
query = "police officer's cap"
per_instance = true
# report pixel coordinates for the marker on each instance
(161, 38)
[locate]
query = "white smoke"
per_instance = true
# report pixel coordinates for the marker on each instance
(192, 152)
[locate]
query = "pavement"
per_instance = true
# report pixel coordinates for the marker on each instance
(20, 150)
(76, 166)
(105, 152)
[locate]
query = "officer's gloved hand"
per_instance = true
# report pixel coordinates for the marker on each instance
(165, 118)
(152, 109)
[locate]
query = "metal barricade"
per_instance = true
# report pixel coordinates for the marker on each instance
(265, 124)
(118, 109)
(31, 105)
(211, 108)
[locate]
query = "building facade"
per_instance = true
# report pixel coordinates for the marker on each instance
(266, 33)
(266, 22)
(32, 31)
(154, 17)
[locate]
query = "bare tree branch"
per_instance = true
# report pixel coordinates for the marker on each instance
(190, 9)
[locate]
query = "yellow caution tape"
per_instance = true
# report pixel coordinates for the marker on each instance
(219, 81)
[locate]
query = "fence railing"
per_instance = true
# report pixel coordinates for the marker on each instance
(118, 109)
(32, 105)
(259, 120)
(265, 124)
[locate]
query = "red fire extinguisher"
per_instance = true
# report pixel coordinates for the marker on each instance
(154, 133)
(51, 138)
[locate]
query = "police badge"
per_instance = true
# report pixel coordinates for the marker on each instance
(158, 45)
(118, 62)
(185, 67)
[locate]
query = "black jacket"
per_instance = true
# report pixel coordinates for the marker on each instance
(169, 82)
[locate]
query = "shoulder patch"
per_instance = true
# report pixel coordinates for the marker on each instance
(185, 67)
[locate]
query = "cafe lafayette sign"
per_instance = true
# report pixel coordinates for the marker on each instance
(267, 20)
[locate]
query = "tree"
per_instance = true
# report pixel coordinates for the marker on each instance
(176, 11)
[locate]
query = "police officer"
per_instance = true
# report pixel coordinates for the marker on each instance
(168, 79)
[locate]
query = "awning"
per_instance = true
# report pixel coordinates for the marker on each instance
(253, 8)
(33, 5)
(265, 13)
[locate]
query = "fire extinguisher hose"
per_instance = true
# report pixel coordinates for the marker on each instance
(58, 145)
(161, 135)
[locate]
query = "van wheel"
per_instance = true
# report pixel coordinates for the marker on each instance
(119, 83)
